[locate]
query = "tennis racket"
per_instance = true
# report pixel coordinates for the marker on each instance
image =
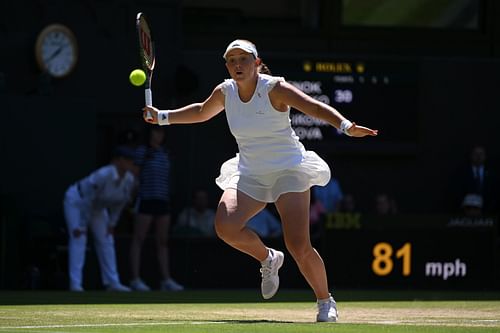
(147, 55)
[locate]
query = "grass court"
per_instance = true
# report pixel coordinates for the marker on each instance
(245, 311)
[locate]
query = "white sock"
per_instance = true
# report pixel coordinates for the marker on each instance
(325, 300)
(269, 257)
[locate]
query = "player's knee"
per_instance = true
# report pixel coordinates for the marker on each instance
(299, 251)
(224, 228)
(221, 228)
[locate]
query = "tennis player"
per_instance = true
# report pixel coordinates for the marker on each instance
(272, 165)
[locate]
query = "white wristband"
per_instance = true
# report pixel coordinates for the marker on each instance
(163, 117)
(344, 126)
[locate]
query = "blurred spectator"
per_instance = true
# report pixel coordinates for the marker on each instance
(472, 205)
(346, 216)
(329, 195)
(477, 170)
(385, 204)
(129, 137)
(348, 204)
(197, 220)
(265, 223)
(153, 206)
(325, 202)
(480, 179)
(316, 212)
(97, 201)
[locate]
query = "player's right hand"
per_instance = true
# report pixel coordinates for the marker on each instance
(150, 114)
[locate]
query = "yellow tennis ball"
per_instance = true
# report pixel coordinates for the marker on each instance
(137, 77)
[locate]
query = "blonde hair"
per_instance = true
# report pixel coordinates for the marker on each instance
(263, 69)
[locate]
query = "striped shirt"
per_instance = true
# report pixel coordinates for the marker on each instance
(154, 177)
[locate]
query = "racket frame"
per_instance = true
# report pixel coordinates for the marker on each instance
(147, 55)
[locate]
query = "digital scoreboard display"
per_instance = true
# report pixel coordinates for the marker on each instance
(380, 93)
(412, 258)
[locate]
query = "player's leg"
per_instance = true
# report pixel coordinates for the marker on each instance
(294, 212)
(234, 210)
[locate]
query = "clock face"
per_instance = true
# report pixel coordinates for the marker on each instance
(56, 50)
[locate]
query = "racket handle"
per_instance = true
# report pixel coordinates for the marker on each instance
(149, 102)
(149, 97)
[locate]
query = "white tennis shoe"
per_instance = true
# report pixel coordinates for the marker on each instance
(270, 279)
(327, 311)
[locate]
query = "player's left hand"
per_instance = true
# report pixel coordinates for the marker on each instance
(360, 131)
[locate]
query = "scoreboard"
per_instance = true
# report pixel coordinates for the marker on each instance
(410, 250)
(381, 93)
(428, 259)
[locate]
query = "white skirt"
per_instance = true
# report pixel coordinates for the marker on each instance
(268, 187)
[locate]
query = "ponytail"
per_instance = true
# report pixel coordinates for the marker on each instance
(263, 69)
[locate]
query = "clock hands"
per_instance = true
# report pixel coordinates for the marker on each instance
(54, 54)
(56, 50)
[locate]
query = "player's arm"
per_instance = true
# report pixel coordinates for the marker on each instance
(193, 113)
(284, 94)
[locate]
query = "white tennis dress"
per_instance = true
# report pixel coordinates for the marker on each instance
(271, 159)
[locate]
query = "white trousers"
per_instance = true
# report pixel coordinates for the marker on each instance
(104, 246)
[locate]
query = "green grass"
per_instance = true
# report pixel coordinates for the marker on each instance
(244, 311)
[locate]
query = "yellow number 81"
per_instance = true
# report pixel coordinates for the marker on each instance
(383, 264)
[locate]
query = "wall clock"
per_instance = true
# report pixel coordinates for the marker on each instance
(56, 50)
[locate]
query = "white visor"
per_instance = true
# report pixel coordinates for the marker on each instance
(242, 45)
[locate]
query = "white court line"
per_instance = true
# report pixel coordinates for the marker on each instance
(31, 331)
(115, 324)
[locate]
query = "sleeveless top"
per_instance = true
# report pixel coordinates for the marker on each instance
(264, 135)
(271, 159)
